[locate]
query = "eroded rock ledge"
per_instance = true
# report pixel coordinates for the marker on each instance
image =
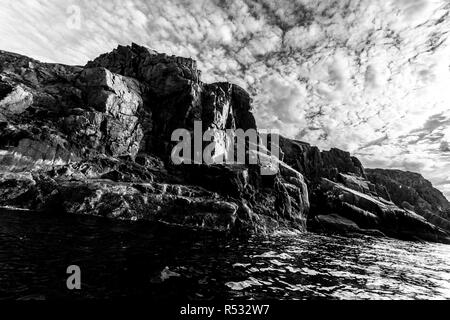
(96, 140)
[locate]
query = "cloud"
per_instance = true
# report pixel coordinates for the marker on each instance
(445, 146)
(282, 102)
(414, 10)
(368, 76)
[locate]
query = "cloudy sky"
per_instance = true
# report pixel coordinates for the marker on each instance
(368, 76)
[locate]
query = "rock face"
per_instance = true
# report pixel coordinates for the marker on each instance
(346, 198)
(370, 212)
(316, 164)
(175, 97)
(97, 140)
(411, 191)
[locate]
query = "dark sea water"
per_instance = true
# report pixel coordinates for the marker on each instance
(129, 259)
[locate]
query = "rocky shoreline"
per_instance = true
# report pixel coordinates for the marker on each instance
(97, 139)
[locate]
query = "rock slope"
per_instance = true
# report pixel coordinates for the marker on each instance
(96, 140)
(411, 191)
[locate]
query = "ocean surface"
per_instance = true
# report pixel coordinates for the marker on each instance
(134, 259)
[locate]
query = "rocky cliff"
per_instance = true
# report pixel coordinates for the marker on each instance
(344, 199)
(411, 191)
(97, 140)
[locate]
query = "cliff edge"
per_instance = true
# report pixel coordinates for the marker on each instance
(96, 140)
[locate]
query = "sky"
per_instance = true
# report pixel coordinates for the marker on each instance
(368, 76)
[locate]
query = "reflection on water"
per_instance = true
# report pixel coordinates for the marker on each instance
(139, 259)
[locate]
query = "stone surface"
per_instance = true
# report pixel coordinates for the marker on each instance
(315, 164)
(413, 192)
(338, 184)
(338, 224)
(370, 212)
(175, 96)
(96, 140)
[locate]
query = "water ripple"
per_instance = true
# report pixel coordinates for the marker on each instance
(137, 259)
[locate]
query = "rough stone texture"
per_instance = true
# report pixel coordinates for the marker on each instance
(315, 164)
(339, 185)
(176, 97)
(371, 212)
(336, 223)
(97, 140)
(411, 191)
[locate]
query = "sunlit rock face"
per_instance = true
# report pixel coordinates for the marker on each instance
(175, 96)
(32, 91)
(173, 90)
(97, 140)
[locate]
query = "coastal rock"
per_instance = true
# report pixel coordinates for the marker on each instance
(32, 88)
(30, 146)
(413, 192)
(174, 90)
(14, 100)
(371, 212)
(338, 184)
(97, 140)
(315, 164)
(175, 96)
(338, 224)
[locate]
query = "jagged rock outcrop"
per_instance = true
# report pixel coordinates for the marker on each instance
(346, 198)
(97, 140)
(315, 164)
(175, 97)
(412, 191)
(370, 212)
